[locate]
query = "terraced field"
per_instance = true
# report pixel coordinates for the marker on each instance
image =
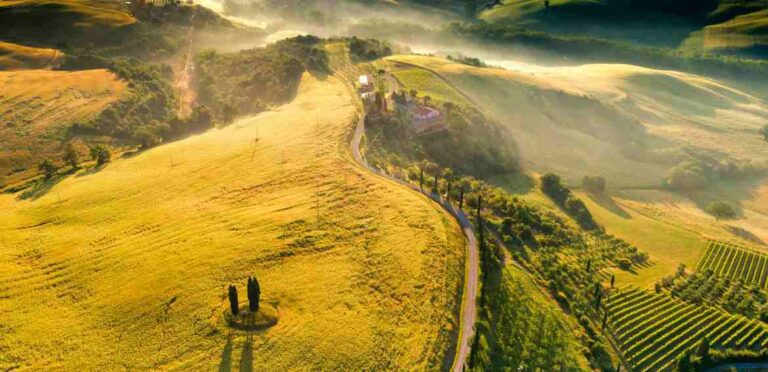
(654, 329)
(127, 267)
(734, 262)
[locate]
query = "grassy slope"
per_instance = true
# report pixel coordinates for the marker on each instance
(668, 244)
(88, 13)
(130, 266)
(18, 57)
(37, 105)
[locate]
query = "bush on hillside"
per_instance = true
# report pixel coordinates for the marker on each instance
(368, 49)
(594, 185)
(561, 195)
(100, 154)
(688, 175)
(722, 210)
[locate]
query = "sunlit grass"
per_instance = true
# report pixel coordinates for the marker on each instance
(128, 267)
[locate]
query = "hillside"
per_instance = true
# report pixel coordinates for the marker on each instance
(610, 120)
(128, 266)
(18, 57)
(725, 26)
(37, 107)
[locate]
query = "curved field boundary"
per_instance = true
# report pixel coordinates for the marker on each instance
(654, 329)
(734, 262)
(468, 316)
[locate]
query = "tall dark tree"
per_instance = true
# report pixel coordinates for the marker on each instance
(684, 363)
(613, 280)
(605, 319)
(437, 178)
(234, 304)
(589, 265)
(461, 197)
(448, 192)
(703, 350)
(70, 156)
(421, 179)
(48, 169)
(254, 294)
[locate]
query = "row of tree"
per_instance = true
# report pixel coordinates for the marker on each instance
(99, 153)
(254, 296)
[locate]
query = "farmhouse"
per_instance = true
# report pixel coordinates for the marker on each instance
(427, 119)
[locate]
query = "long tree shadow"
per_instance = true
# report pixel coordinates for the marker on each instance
(41, 186)
(606, 201)
(246, 358)
(226, 356)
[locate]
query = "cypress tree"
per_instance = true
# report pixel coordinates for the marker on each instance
(448, 193)
(257, 291)
(703, 350)
(613, 280)
(234, 305)
(605, 319)
(461, 197)
(598, 298)
(421, 179)
(437, 177)
(589, 265)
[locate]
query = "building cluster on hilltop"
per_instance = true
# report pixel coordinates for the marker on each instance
(421, 117)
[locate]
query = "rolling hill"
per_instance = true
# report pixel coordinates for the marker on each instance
(128, 266)
(19, 57)
(37, 106)
(627, 123)
(726, 26)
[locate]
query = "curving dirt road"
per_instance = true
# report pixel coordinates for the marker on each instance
(471, 272)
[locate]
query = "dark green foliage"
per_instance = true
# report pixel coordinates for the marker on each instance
(100, 154)
(594, 185)
(70, 156)
(49, 170)
(254, 294)
(141, 113)
(362, 50)
(250, 81)
(467, 61)
(703, 350)
(722, 210)
(234, 303)
(684, 363)
(728, 356)
(551, 185)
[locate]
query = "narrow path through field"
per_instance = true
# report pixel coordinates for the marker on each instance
(468, 316)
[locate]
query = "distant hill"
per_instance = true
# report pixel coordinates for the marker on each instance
(724, 26)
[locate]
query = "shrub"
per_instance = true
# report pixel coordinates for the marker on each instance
(70, 156)
(687, 175)
(594, 185)
(48, 169)
(100, 154)
(721, 210)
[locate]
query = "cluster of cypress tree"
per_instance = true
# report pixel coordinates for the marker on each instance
(254, 295)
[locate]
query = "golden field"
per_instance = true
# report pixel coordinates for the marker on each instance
(19, 57)
(127, 267)
(36, 107)
(88, 13)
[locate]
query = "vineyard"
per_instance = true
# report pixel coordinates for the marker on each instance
(733, 262)
(654, 329)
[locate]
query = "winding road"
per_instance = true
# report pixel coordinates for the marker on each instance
(468, 315)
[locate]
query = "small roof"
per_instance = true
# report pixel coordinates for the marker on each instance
(365, 79)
